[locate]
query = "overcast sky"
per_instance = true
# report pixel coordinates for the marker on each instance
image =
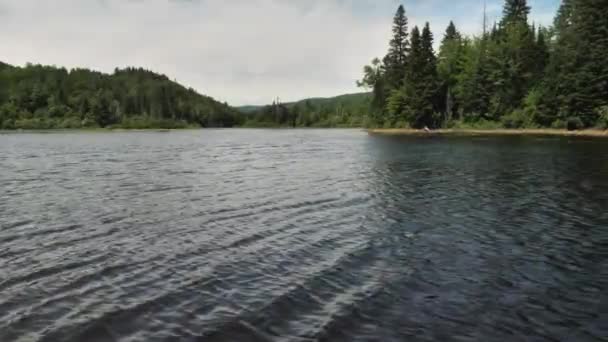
(239, 51)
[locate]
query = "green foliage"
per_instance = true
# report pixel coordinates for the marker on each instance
(144, 122)
(512, 66)
(558, 124)
(478, 124)
(396, 106)
(45, 97)
(473, 89)
(449, 66)
(417, 100)
(516, 75)
(352, 110)
(397, 58)
(602, 121)
(374, 78)
(574, 123)
(577, 74)
(519, 118)
(515, 11)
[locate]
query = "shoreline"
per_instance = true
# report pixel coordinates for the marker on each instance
(482, 132)
(135, 130)
(92, 130)
(372, 131)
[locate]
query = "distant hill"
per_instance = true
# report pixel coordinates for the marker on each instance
(349, 110)
(356, 99)
(42, 97)
(248, 109)
(4, 65)
(349, 101)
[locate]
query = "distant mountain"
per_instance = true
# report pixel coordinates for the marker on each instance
(349, 110)
(248, 109)
(4, 65)
(346, 100)
(42, 97)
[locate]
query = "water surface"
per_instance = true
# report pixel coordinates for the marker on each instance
(302, 235)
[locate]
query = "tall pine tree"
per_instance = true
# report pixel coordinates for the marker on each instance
(517, 74)
(421, 85)
(577, 75)
(449, 67)
(474, 87)
(396, 60)
(515, 11)
(590, 22)
(431, 81)
(512, 57)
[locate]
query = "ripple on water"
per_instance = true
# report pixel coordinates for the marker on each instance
(301, 235)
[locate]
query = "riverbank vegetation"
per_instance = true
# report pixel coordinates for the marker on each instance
(514, 75)
(46, 97)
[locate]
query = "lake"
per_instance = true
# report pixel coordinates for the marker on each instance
(302, 235)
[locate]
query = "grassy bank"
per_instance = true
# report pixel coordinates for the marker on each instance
(500, 131)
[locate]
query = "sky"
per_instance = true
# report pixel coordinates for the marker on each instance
(238, 51)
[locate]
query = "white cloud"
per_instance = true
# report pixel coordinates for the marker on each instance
(240, 51)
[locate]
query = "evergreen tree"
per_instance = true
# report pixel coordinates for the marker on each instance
(577, 75)
(542, 54)
(430, 77)
(494, 32)
(42, 97)
(374, 78)
(515, 11)
(590, 23)
(396, 60)
(474, 87)
(416, 60)
(420, 91)
(512, 60)
(401, 104)
(449, 67)
(563, 19)
(516, 74)
(451, 33)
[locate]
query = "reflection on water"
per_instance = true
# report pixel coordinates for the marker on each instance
(302, 235)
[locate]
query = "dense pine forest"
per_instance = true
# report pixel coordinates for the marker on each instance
(514, 75)
(44, 97)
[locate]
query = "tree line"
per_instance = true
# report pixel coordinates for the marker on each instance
(48, 97)
(514, 75)
(44, 97)
(349, 110)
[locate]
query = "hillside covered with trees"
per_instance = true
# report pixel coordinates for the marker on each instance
(515, 75)
(44, 97)
(349, 110)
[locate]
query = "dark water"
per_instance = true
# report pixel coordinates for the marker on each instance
(302, 235)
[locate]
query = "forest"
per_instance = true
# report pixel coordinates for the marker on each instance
(514, 74)
(46, 97)
(349, 110)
